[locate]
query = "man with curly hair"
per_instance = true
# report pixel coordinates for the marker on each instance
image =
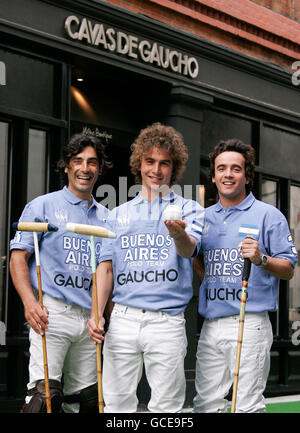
(150, 268)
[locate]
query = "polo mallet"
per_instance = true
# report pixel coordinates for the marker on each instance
(92, 231)
(35, 227)
(245, 277)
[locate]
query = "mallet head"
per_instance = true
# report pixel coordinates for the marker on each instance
(91, 230)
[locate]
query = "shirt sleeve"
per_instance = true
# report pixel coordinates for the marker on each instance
(278, 240)
(107, 243)
(193, 215)
(23, 240)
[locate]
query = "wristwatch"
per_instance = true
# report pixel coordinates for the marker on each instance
(264, 261)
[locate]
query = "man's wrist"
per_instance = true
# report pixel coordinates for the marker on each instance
(263, 261)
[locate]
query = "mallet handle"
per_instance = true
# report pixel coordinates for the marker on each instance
(38, 270)
(34, 227)
(245, 277)
(87, 229)
(98, 345)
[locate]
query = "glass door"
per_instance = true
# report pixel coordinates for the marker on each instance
(294, 283)
(270, 195)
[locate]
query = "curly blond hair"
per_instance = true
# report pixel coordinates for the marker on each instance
(160, 136)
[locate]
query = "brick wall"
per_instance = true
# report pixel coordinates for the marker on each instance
(260, 28)
(288, 8)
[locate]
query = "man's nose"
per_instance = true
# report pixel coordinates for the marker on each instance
(84, 166)
(228, 172)
(156, 168)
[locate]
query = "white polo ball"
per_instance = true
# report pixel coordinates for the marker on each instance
(172, 213)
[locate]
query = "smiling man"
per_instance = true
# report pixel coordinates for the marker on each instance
(149, 268)
(270, 248)
(66, 282)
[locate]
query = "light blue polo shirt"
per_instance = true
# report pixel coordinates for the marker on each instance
(64, 257)
(224, 229)
(148, 272)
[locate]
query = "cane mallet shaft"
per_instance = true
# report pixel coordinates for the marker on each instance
(92, 231)
(98, 345)
(36, 227)
(245, 277)
(38, 270)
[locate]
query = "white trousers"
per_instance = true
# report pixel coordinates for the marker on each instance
(158, 340)
(216, 363)
(70, 351)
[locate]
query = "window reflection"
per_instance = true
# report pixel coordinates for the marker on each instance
(36, 182)
(269, 192)
(207, 192)
(269, 195)
(4, 131)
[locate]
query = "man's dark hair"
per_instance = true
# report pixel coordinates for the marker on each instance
(235, 145)
(76, 144)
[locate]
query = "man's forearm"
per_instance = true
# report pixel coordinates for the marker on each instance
(104, 285)
(185, 245)
(19, 272)
(279, 268)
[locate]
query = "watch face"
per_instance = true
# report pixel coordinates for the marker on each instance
(264, 260)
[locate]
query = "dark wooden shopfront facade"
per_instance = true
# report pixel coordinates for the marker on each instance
(136, 70)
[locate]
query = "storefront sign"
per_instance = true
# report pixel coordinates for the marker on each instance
(131, 46)
(2, 74)
(96, 132)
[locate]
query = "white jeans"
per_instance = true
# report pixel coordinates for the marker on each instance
(216, 363)
(70, 351)
(155, 338)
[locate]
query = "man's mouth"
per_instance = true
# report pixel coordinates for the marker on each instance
(155, 179)
(84, 178)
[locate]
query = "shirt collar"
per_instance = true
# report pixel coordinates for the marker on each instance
(244, 205)
(166, 198)
(73, 199)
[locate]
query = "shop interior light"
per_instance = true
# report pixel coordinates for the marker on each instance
(78, 75)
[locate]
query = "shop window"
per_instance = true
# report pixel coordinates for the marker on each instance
(269, 194)
(4, 136)
(36, 182)
(294, 283)
(31, 85)
(277, 146)
(220, 126)
(207, 191)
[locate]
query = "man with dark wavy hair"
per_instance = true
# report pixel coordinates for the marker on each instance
(237, 227)
(149, 267)
(66, 282)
